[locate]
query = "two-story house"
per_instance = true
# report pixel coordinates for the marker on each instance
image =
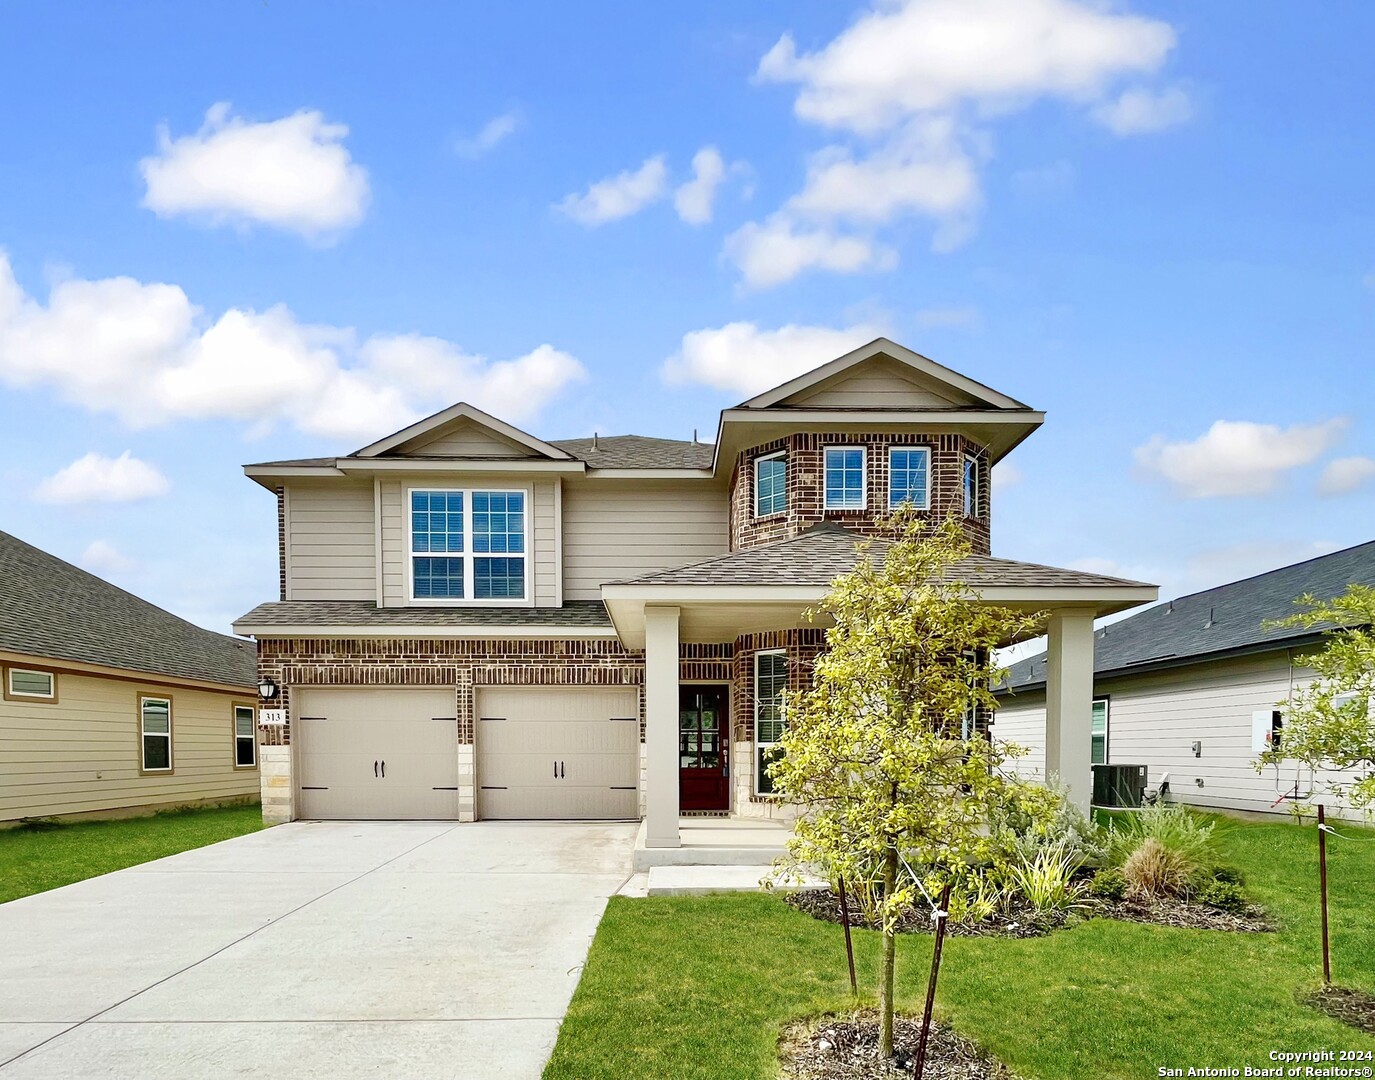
(477, 623)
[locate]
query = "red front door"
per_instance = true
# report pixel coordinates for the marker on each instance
(703, 738)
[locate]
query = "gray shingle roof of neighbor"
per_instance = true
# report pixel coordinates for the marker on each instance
(50, 608)
(574, 613)
(1224, 619)
(827, 550)
(611, 452)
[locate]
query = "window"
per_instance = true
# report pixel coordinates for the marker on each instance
(844, 481)
(245, 737)
(155, 726)
(29, 684)
(770, 680)
(770, 484)
(468, 545)
(909, 476)
(971, 486)
(1099, 728)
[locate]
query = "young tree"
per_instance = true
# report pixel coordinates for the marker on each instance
(877, 750)
(1329, 723)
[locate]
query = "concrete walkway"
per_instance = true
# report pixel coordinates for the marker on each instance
(326, 950)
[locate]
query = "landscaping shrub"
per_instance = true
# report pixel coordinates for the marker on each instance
(1046, 881)
(1108, 884)
(1042, 816)
(1187, 838)
(1222, 895)
(1229, 874)
(1153, 871)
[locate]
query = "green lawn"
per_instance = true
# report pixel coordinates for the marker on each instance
(700, 987)
(36, 859)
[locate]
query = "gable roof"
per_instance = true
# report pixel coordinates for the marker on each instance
(445, 418)
(1220, 621)
(982, 396)
(52, 609)
(639, 452)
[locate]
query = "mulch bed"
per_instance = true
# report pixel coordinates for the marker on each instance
(1347, 1006)
(846, 1048)
(825, 904)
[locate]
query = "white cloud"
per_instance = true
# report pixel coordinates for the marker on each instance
(1140, 111)
(1344, 475)
(618, 196)
(924, 56)
(694, 199)
(947, 316)
(146, 354)
(778, 250)
(102, 558)
(745, 359)
(496, 130)
(1006, 475)
(95, 478)
(1237, 457)
(293, 173)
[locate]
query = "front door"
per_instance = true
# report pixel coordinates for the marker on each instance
(703, 765)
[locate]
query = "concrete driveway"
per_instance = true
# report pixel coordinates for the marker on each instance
(316, 949)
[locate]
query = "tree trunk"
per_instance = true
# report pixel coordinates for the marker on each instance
(885, 977)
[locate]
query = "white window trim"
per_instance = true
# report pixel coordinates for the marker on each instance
(1107, 728)
(10, 691)
(143, 733)
(467, 554)
(971, 498)
(863, 478)
(909, 448)
(252, 735)
(770, 457)
(760, 744)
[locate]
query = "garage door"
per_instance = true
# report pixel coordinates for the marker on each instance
(558, 753)
(376, 754)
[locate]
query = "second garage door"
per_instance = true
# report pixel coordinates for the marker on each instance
(558, 753)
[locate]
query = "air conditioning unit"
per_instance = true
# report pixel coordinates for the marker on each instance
(1118, 785)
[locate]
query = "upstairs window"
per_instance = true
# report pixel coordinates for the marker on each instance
(245, 737)
(155, 732)
(770, 680)
(468, 545)
(844, 481)
(1099, 728)
(770, 484)
(972, 492)
(909, 476)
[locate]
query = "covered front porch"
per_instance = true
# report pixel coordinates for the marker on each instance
(742, 597)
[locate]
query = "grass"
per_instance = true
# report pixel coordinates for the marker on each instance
(35, 859)
(701, 986)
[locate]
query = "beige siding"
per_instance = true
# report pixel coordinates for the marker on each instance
(467, 439)
(395, 536)
(618, 529)
(883, 385)
(81, 754)
(330, 541)
(1022, 720)
(1154, 719)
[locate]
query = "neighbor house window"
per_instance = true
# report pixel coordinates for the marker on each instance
(155, 726)
(844, 480)
(770, 484)
(1099, 728)
(468, 545)
(971, 486)
(770, 680)
(245, 737)
(909, 476)
(29, 684)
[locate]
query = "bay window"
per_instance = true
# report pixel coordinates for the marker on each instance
(770, 680)
(844, 481)
(909, 476)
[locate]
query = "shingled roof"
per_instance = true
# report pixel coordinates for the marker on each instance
(574, 613)
(1220, 621)
(54, 610)
(827, 550)
(639, 452)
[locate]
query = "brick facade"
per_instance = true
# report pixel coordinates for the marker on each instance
(806, 495)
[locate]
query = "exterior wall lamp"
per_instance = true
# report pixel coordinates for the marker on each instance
(267, 689)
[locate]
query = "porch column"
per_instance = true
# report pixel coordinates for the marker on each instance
(661, 727)
(1069, 703)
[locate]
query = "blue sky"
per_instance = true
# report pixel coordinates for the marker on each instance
(243, 231)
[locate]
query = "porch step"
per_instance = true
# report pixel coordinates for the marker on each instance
(715, 843)
(700, 880)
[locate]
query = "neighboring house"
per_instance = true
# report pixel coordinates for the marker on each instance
(1193, 688)
(475, 622)
(111, 704)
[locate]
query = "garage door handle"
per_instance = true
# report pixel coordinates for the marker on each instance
(384, 770)
(563, 771)
(374, 768)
